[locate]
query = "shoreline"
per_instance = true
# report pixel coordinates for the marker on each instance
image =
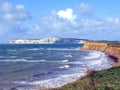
(95, 80)
(70, 85)
(88, 73)
(111, 49)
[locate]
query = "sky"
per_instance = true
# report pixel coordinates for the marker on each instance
(36, 19)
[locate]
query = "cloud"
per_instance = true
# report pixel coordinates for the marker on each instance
(61, 23)
(85, 9)
(13, 20)
(67, 14)
(11, 12)
(96, 29)
(20, 7)
(6, 7)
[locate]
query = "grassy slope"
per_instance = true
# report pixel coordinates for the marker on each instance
(101, 80)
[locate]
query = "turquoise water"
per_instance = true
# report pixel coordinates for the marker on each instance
(25, 67)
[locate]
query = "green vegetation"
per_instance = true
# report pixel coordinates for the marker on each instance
(114, 43)
(100, 80)
(111, 43)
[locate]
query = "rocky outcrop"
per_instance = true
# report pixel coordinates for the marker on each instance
(48, 41)
(112, 49)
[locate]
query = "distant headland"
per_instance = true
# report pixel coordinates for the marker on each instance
(49, 41)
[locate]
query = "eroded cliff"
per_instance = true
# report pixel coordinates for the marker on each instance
(109, 48)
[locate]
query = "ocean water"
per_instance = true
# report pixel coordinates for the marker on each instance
(26, 67)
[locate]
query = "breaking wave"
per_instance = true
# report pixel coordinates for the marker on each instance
(71, 71)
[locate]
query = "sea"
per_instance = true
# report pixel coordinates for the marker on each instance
(31, 66)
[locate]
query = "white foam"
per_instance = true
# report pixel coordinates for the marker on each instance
(94, 54)
(58, 61)
(75, 62)
(66, 49)
(43, 60)
(21, 60)
(65, 66)
(96, 59)
(68, 55)
(65, 61)
(34, 49)
(97, 62)
(56, 82)
(32, 61)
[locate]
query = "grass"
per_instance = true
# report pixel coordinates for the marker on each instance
(100, 80)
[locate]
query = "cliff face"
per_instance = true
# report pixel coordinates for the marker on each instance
(95, 46)
(39, 41)
(48, 41)
(113, 51)
(105, 47)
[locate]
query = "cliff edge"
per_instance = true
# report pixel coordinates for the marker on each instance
(110, 48)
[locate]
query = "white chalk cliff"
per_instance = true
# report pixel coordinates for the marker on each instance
(48, 41)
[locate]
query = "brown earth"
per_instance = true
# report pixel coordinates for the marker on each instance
(111, 49)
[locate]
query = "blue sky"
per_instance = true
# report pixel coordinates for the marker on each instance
(35, 19)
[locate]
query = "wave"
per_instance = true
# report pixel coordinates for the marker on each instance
(34, 49)
(68, 56)
(69, 73)
(21, 60)
(94, 54)
(96, 62)
(53, 82)
(65, 66)
(65, 61)
(66, 49)
(58, 61)
(32, 61)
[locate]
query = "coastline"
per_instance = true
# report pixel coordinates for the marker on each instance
(95, 80)
(112, 50)
(85, 83)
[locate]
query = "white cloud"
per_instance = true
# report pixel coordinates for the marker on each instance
(20, 7)
(85, 9)
(56, 26)
(67, 14)
(62, 23)
(11, 20)
(6, 7)
(11, 12)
